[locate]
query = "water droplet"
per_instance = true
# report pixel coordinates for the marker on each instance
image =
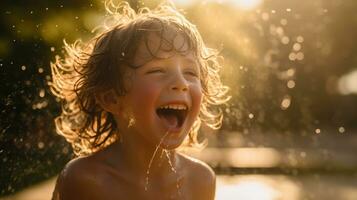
(167, 153)
(40, 145)
(285, 40)
(341, 129)
(40, 70)
(300, 56)
(292, 56)
(41, 93)
(285, 103)
(297, 47)
(280, 30)
(284, 22)
(151, 160)
(131, 121)
(300, 39)
(290, 72)
(291, 84)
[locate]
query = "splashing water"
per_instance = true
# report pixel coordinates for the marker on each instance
(167, 153)
(131, 122)
(151, 160)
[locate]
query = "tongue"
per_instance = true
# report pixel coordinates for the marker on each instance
(171, 120)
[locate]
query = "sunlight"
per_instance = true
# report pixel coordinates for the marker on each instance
(242, 4)
(348, 83)
(247, 4)
(240, 157)
(247, 190)
(256, 187)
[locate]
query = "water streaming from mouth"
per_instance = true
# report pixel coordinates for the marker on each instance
(167, 154)
(151, 160)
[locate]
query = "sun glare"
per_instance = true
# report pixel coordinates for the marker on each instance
(247, 4)
(347, 84)
(256, 187)
(242, 4)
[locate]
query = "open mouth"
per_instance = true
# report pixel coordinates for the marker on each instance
(173, 115)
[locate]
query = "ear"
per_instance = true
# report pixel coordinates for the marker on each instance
(109, 101)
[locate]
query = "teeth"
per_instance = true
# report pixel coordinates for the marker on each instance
(174, 106)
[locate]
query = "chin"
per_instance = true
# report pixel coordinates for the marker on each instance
(171, 143)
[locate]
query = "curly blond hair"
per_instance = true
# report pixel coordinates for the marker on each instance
(89, 67)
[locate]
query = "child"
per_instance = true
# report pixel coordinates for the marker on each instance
(131, 96)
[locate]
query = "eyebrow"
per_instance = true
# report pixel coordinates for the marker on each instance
(190, 60)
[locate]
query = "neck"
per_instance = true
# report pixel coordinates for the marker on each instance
(145, 159)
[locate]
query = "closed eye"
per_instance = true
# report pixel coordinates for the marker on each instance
(192, 73)
(155, 71)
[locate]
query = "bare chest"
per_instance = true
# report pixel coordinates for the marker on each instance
(166, 190)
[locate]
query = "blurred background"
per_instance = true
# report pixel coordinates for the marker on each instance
(289, 132)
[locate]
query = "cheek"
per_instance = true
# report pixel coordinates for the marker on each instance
(197, 97)
(143, 98)
(144, 92)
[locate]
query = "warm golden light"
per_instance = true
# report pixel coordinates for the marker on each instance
(347, 84)
(256, 187)
(242, 4)
(240, 157)
(247, 4)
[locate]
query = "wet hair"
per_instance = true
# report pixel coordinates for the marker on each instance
(100, 64)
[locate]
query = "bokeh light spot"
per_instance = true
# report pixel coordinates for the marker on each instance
(317, 131)
(291, 84)
(285, 103)
(341, 129)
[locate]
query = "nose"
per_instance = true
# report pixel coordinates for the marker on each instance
(179, 84)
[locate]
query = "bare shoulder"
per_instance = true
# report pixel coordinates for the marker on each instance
(80, 179)
(202, 177)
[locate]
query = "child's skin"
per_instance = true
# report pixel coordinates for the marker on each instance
(119, 171)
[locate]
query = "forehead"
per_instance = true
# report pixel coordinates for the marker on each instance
(161, 44)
